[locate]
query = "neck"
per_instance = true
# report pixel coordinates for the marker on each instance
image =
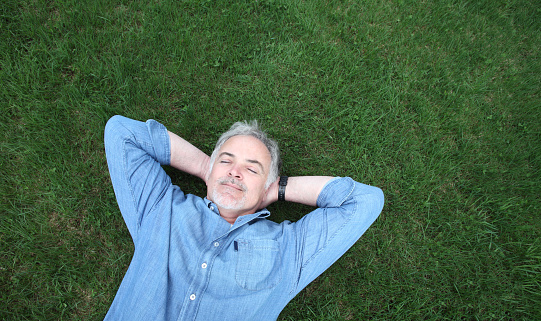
(230, 220)
(231, 215)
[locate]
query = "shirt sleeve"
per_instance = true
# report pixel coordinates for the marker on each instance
(346, 210)
(135, 152)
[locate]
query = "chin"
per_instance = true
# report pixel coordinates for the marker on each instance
(228, 202)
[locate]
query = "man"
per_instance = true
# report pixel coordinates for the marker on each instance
(218, 257)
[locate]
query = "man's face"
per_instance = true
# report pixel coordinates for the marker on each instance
(237, 181)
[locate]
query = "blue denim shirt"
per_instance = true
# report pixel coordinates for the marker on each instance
(191, 264)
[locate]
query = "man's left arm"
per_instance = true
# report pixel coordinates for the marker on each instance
(300, 189)
(345, 210)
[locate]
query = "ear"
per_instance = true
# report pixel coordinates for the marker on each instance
(206, 168)
(271, 194)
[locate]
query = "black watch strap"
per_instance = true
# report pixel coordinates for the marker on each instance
(282, 188)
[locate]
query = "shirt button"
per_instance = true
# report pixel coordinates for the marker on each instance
(212, 208)
(216, 244)
(192, 297)
(204, 265)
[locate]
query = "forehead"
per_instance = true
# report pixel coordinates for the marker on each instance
(247, 147)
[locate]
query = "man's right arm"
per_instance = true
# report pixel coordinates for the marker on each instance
(188, 158)
(135, 152)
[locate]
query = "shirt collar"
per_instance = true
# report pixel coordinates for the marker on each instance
(263, 213)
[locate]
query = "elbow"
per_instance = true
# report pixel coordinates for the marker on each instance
(373, 204)
(370, 202)
(112, 124)
(113, 133)
(112, 129)
(379, 200)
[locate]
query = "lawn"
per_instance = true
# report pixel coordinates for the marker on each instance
(437, 102)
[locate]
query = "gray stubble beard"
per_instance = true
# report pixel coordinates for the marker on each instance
(225, 202)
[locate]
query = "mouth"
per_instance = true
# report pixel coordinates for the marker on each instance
(233, 186)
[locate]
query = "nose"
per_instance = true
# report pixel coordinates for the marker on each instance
(234, 172)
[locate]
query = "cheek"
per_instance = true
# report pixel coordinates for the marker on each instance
(258, 188)
(214, 175)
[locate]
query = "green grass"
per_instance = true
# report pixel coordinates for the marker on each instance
(436, 102)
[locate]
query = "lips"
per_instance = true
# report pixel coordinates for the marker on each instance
(234, 186)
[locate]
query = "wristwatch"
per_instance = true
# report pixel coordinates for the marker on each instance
(282, 188)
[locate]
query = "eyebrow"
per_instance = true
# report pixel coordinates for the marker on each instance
(252, 161)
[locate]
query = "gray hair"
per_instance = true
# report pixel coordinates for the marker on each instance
(252, 129)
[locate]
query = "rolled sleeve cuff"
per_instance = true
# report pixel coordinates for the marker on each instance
(335, 192)
(160, 140)
(340, 189)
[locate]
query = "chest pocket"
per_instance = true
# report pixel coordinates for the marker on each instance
(258, 264)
